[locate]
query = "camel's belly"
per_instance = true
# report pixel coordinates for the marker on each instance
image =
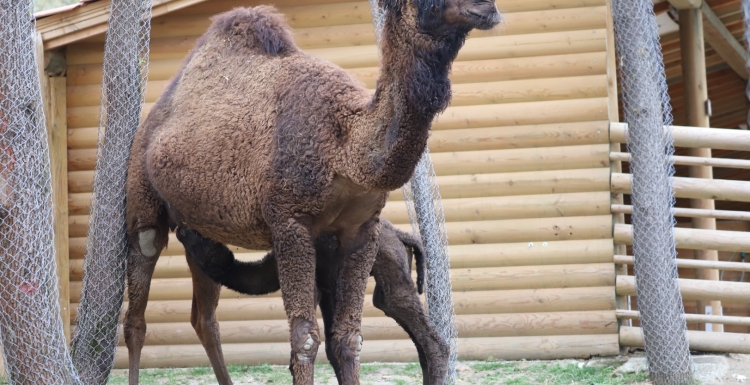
(219, 194)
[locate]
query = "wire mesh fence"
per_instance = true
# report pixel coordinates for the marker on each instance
(31, 329)
(647, 110)
(425, 208)
(123, 90)
(746, 37)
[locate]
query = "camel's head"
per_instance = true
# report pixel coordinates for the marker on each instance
(439, 17)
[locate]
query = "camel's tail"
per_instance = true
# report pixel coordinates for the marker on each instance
(256, 28)
(411, 240)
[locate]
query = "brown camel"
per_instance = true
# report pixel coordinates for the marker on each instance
(259, 145)
(394, 292)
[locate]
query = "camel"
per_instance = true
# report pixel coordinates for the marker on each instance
(394, 291)
(257, 144)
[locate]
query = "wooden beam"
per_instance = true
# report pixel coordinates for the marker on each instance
(686, 4)
(693, 318)
(54, 102)
(723, 42)
(693, 137)
(700, 341)
(694, 263)
(695, 239)
(695, 90)
(696, 289)
(691, 161)
(693, 213)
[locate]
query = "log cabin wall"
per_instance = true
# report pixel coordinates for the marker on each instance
(522, 157)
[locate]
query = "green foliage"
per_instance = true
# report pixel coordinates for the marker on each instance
(43, 5)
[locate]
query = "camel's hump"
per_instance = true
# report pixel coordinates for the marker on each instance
(262, 27)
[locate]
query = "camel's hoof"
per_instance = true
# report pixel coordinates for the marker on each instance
(308, 343)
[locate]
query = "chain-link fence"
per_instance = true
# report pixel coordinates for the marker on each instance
(31, 329)
(647, 110)
(425, 209)
(746, 12)
(123, 89)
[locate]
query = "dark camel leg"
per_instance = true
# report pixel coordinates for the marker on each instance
(139, 272)
(203, 318)
(397, 297)
(295, 255)
(356, 254)
(327, 307)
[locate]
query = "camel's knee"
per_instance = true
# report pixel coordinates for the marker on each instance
(305, 340)
(348, 346)
(147, 242)
(134, 329)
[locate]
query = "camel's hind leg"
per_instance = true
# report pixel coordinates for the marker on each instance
(203, 318)
(397, 297)
(143, 253)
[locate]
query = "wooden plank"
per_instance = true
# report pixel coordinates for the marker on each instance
(719, 189)
(494, 231)
(693, 213)
(694, 318)
(700, 341)
(510, 348)
(539, 135)
(723, 42)
(473, 279)
(384, 328)
(573, 64)
(696, 289)
(694, 137)
(686, 4)
(470, 302)
(691, 161)
(526, 113)
(694, 263)
(695, 239)
(589, 251)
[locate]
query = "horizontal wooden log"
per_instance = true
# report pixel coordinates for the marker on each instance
(519, 183)
(462, 256)
(470, 232)
(510, 348)
(694, 137)
(471, 302)
(526, 113)
(507, 137)
(173, 37)
(505, 6)
(695, 239)
(471, 186)
(574, 64)
(467, 94)
(693, 318)
(468, 162)
(691, 161)
(693, 263)
(475, 209)
(696, 289)
(700, 341)
(694, 188)
(693, 213)
(474, 279)
(384, 328)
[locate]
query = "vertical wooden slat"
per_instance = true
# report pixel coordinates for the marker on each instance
(55, 112)
(623, 302)
(696, 114)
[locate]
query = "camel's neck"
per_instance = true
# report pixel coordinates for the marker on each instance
(412, 88)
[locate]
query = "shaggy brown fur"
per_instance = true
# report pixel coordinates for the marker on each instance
(394, 292)
(260, 145)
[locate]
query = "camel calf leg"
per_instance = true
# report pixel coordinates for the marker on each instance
(203, 318)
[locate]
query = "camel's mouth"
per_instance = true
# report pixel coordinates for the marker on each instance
(485, 21)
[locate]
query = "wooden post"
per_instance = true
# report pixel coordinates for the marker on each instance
(696, 111)
(623, 302)
(54, 101)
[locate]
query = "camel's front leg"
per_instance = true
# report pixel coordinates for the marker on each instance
(295, 255)
(357, 255)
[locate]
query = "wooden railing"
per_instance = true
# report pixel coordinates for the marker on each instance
(694, 239)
